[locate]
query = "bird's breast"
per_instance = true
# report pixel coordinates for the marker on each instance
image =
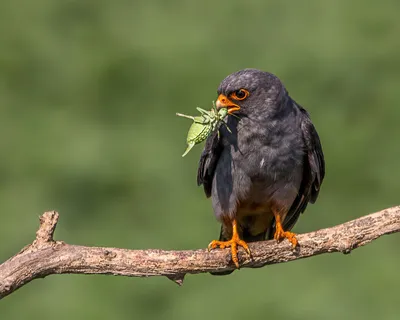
(256, 166)
(265, 152)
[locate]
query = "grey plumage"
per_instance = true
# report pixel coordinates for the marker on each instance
(271, 159)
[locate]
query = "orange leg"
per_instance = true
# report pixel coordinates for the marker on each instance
(280, 234)
(233, 243)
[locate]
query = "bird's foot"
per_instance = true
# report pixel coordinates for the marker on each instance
(233, 243)
(280, 235)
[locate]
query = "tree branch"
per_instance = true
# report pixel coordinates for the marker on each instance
(45, 256)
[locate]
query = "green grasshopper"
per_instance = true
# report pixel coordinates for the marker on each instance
(203, 125)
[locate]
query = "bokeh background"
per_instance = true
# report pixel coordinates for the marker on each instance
(88, 95)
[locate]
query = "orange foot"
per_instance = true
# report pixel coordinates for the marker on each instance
(280, 234)
(233, 243)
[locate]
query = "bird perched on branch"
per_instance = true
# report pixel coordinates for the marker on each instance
(262, 174)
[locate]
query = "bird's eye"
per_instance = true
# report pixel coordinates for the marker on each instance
(240, 94)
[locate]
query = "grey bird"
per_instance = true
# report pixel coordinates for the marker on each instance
(262, 174)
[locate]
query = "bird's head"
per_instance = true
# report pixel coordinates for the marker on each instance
(250, 90)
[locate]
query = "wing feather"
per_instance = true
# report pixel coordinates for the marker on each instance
(208, 162)
(313, 171)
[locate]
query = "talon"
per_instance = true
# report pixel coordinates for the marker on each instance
(288, 235)
(212, 245)
(233, 243)
(280, 234)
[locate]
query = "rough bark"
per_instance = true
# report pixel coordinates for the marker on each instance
(45, 256)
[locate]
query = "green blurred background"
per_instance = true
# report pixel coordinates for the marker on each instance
(88, 95)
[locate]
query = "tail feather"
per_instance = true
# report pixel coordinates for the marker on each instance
(248, 237)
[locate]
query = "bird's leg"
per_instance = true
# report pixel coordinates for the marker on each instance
(280, 234)
(233, 243)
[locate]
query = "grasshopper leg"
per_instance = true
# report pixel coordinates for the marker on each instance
(226, 126)
(203, 111)
(185, 116)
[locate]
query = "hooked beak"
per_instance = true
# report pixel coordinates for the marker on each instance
(224, 102)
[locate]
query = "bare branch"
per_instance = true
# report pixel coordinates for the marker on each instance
(46, 256)
(48, 223)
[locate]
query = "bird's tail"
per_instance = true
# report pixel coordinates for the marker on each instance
(247, 237)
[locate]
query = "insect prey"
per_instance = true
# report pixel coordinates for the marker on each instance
(203, 125)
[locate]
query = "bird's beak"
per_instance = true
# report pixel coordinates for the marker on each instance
(224, 102)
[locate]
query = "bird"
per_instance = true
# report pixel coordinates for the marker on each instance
(263, 170)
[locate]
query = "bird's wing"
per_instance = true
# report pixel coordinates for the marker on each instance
(313, 171)
(208, 162)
